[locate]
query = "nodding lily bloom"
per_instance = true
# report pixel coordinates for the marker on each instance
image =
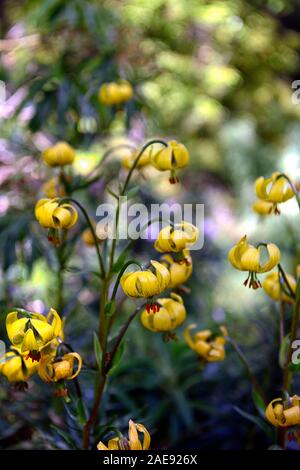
(53, 369)
(275, 189)
(262, 207)
(53, 216)
(132, 442)
(50, 214)
(53, 189)
(16, 368)
(31, 333)
(146, 284)
(171, 314)
(59, 155)
(115, 93)
(179, 272)
(172, 157)
(284, 413)
(274, 288)
(245, 257)
(176, 238)
(210, 348)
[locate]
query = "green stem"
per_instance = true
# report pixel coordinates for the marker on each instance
(121, 336)
(248, 369)
(284, 276)
(287, 374)
(139, 155)
(91, 227)
(134, 165)
(114, 293)
(283, 175)
(92, 179)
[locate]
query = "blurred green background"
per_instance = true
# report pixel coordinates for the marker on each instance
(215, 75)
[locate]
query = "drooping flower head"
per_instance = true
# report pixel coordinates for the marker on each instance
(284, 413)
(172, 158)
(16, 368)
(53, 216)
(132, 442)
(275, 287)
(171, 314)
(176, 238)
(115, 93)
(31, 333)
(179, 272)
(146, 284)
(262, 207)
(275, 190)
(54, 369)
(209, 347)
(60, 154)
(245, 257)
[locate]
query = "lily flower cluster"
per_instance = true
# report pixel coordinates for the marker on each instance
(280, 286)
(271, 192)
(167, 313)
(35, 344)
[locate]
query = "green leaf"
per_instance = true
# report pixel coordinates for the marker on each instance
(256, 420)
(117, 359)
(295, 368)
(112, 193)
(132, 192)
(81, 412)
(110, 308)
(258, 402)
(97, 351)
(120, 261)
(283, 350)
(65, 436)
(298, 291)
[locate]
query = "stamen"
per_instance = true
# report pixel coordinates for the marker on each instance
(34, 356)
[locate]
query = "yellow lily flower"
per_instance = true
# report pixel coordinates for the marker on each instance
(262, 207)
(179, 272)
(16, 367)
(132, 442)
(115, 93)
(31, 333)
(146, 284)
(59, 155)
(53, 189)
(50, 215)
(145, 159)
(176, 239)
(272, 287)
(210, 348)
(282, 413)
(275, 189)
(172, 157)
(52, 369)
(169, 315)
(245, 257)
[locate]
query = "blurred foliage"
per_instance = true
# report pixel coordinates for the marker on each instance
(217, 76)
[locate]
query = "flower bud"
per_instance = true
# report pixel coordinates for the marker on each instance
(170, 315)
(59, 155)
